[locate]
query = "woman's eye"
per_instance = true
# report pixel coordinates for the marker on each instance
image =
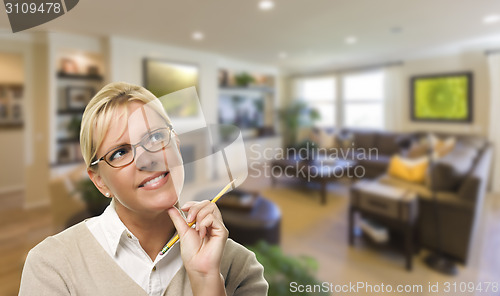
(119, 153)
(157, 137)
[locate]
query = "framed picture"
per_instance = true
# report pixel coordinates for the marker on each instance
(442, 97)
(78, 96)
(11, 105)
(164, 77)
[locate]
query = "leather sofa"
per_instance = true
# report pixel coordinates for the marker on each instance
(460, 179)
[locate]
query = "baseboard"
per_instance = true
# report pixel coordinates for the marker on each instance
(11, 189)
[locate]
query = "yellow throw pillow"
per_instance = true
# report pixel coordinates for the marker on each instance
(412, 170)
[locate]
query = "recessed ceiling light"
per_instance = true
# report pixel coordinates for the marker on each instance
(396, 30)
(266, 5)
(198, 36)
(490, 19)
(351, 40)
(282, 55)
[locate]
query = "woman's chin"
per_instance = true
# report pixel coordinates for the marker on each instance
(161, 201)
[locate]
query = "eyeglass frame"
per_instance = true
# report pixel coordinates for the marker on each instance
(134, 147)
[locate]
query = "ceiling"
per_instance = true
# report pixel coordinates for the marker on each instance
(311, 32)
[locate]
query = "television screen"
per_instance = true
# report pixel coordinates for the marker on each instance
(445, 97)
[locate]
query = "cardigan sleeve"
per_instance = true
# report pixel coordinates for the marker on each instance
(245, 275)
(44, 272)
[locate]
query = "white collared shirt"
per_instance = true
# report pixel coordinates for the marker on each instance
(124, 248)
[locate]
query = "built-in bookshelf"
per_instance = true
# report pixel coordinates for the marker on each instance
(247, 101)
(79, 76)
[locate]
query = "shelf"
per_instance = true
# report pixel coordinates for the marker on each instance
(96, 77)
(11, 125)
(68, 140)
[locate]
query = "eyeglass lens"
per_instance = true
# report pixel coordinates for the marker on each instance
(152, 142)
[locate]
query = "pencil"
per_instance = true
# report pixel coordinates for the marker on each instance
(214, 200)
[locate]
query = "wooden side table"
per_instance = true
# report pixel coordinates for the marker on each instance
(393, 207)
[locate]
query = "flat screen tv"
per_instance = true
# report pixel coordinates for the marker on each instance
(442, 97)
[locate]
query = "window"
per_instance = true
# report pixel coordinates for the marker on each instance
(363, 100)
(318, 93)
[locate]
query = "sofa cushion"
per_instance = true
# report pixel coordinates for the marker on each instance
(448, 171)
(476, 142)
(364, 140)
(372, 161)
(387, 143)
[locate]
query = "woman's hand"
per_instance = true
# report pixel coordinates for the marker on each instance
(202, 247)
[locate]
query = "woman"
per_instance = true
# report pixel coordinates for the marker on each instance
(132, 155)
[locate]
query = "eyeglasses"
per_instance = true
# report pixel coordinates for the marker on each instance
(124, 155)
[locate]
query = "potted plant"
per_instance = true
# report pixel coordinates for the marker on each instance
(297, 115)
(280, 270)
(244, 79)
(95, 201)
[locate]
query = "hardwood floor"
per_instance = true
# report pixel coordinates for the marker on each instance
(20, 230)
(308, 228)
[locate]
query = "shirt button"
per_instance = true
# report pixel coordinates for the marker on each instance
(128, 235)
(154, 268)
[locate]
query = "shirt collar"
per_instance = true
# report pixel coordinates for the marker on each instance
(113, 227)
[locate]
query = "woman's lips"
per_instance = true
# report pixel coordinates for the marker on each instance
(155, 181)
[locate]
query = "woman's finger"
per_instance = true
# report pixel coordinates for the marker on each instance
(188, 205)
(179, 222)
(210, 208)
(194, 209)
(212, 223)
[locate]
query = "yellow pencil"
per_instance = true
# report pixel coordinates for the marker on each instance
(214, 200)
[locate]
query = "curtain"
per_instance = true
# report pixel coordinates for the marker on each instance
(393, 103)
(494, 130)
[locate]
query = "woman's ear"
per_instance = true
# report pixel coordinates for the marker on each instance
(99, 182)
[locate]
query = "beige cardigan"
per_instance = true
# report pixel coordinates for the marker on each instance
(73, 263)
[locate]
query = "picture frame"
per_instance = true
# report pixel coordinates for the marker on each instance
(446, 97)
(77, 97)
(11, 105)
(163, 77)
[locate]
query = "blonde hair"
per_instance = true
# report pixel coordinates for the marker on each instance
(102, 110)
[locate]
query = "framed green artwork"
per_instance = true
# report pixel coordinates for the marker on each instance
(442, 97)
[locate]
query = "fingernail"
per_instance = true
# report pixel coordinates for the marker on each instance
(190, 218)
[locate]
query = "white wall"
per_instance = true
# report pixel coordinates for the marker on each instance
(14, 59)
(127, 57)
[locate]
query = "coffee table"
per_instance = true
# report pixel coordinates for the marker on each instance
(319, 170)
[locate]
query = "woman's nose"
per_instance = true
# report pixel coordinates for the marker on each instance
(150, 161)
